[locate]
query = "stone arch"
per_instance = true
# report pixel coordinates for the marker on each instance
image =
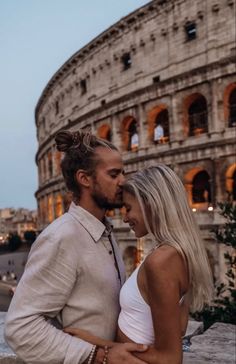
(59, 205)
(43, 168)
(50, 208)
(198, 187)
(43, 210)
(50, 164)
(58, 158)
(212, 262)
(158, 114)
(130, 259)
(67, 198)
(231, 180)
(104, 132)
(195, 115)
(230, 105)
(201, 190)
(130, 133)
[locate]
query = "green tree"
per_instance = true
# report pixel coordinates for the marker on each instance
(223, 308)
(14, 242)
(30, 236)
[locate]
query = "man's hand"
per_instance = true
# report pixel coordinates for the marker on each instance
(122, 353)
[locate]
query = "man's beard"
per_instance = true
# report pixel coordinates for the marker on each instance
(103, 202)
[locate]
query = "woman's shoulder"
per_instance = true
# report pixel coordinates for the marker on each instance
(162, 258)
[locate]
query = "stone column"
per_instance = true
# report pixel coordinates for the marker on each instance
(189, 188)
(53, 151)
(116, 132)
(142, 123)
(213, 111)
(219, 180)
(176, 122)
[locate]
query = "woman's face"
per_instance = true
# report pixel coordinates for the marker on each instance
(133, 215)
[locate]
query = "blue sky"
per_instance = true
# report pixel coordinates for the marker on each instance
(36, 38)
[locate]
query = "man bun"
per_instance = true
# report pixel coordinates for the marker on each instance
(64, 140)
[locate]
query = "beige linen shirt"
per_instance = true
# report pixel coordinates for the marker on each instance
(70, 276)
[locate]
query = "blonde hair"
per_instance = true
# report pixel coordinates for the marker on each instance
(162, 197)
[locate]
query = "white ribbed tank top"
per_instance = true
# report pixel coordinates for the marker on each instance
(135, 319)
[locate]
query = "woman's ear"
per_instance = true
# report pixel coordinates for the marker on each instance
(82, 178)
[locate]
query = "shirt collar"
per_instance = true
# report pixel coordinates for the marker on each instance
(92, 225)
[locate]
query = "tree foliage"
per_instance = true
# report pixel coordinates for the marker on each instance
(14, 242)
(30, 236)
(223, 308)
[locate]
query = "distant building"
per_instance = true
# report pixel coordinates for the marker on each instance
(17, 221)
(161, 85)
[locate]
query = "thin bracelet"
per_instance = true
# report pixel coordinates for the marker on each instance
(95, 354)
(91, 355)
(105, 359)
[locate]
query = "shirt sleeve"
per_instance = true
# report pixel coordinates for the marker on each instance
(42, 292)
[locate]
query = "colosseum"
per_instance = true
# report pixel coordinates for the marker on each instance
(161, 85)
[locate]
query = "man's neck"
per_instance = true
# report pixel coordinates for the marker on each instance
(92, 208)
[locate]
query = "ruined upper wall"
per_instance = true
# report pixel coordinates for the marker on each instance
(155, 43)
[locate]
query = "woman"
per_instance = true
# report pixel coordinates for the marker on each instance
(174, 277)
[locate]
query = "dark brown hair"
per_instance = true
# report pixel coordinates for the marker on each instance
(80, 153)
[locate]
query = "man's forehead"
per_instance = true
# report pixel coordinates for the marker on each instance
(108, 156)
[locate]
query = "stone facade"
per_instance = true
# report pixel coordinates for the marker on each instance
(161, 84)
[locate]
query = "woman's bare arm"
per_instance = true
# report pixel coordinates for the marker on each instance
(118, 352)
(87, 336)
(165, 276)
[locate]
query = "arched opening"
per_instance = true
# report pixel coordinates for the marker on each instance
(50, 209)
(104, 132)
(161, 130)
(130, 133)
(232, 108)
(44, 168)
(158, 124)
(133, 136)
(67, 198)
(234, 186)
(197, 116)
(110, 213)
(42, 212)
(129, 257)
(231, 181)
(58, 158)
(230, 105)
(50, 165)
(201, 188)
(59, 206)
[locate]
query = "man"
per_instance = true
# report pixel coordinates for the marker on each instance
(75, 270)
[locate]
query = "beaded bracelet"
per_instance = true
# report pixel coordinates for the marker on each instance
(105, 359)
(92, 354)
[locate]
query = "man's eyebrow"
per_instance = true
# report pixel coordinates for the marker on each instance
(116, 170)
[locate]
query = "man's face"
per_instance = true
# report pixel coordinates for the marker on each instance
(107, 184)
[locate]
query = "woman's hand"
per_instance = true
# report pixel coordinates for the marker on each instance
(118, 352)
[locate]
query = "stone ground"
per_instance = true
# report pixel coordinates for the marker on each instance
(214, 346)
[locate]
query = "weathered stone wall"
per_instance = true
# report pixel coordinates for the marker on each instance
(155, 38)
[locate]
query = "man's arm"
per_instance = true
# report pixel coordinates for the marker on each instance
(118, 352)
(42, 292)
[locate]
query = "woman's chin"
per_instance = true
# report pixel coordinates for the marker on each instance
(139, 235)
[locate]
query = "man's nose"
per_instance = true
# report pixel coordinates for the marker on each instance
(121, 180)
